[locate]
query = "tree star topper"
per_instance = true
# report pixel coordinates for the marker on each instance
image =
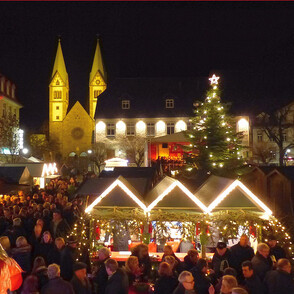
(214, 80)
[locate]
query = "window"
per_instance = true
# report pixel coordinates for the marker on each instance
(8, 89)
(150, 129)
(170, 128)
(57, 107)
(125, 104)
(57, 117)
(284, 138)
(169, 103)
(57, 83)
(110, 130)
(259, 136)
(130, 129)
(57, 95)
(97, 93)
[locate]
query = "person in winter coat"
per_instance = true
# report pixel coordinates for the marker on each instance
(22, 254)
(117, 279)
(186, 284)
(68, 257)
(46, 247)
(101, 277)
(280, 281)
(55, 255)
(252, 282)
(35, 239)
(141, 251)
(59, 226)
(56, 284)
(221, 259)
(275, 250)
(201, 279)
(133, 270)
(30, 285)
(229, 271)
(240, 253)
(80, 281)
(261, 262)
(167, 282)
(190, 260)
(228, 283)
(40, 271)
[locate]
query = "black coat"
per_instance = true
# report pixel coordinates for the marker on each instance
(165, 285)
(240, 254)
(67, 260)
(261, 265)
(278, 252)
(22, 256)
(279, 282)
(188, 264)
(253, 285)
(57, 286)
(79, 287)
(220, 263)
(101, 278)
(61, 229)
(117, 283)
(202, 282)
(181, 290)
(45, 250)
(41, 274)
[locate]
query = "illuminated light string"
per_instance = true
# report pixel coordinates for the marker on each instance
(50, 169)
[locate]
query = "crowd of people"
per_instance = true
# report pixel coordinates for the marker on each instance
(34, 232)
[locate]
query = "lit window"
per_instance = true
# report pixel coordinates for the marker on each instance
(169, 103)
(97, 93)
(170, 128)
(130, 129)
(57, 107)
(110, 130)
(259, 136)
(150, 129)
(57, 95)
(125, 104)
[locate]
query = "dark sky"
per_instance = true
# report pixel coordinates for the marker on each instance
(250, 44)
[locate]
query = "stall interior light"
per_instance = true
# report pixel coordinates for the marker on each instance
(184, 189)
(110, 188)
(247, 192)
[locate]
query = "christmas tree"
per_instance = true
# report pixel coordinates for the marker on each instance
(214, 143)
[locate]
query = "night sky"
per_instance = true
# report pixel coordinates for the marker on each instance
(250, 44)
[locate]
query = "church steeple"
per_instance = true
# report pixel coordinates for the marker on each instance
(59, 64)
(58, 95)
(97, 81)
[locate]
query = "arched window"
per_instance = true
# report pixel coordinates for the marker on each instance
(72, 154)
(83, 154)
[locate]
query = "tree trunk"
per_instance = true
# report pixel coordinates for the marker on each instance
(281, 156)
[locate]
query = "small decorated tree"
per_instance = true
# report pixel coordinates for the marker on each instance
(214, 142)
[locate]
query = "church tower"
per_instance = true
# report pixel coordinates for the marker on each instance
(97, 82)
(58, 96)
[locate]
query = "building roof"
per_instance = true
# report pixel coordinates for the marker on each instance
(147, 97)
(15, 175)
(59, 64)
(97, 66)
(178, 137)
(287, 171)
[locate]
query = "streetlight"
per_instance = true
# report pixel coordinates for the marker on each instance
(89, 151)
(25, 151)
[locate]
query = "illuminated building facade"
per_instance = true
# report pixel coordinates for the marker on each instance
(157, 109)
(73, 128)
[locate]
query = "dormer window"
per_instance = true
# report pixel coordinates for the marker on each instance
(125, 104)
(169, 103)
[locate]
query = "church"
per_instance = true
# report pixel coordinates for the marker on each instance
(73, 128)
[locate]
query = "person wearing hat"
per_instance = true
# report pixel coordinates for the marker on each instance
(221, 259)
(275, 250)
(68, 257)
(80, 281)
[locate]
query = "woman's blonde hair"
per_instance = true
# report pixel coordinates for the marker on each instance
(170, 260)
(21, 241)
(231, 281)
(131, 261)
(4, 241)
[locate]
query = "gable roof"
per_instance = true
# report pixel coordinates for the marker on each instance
(164, 188)
(221, 193)
(175, 137)
(147, 97)
(286, 171)
(128, 190)
(82, 110)
(15, 175)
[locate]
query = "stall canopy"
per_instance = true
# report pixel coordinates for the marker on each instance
(175, 137)
(16, 175)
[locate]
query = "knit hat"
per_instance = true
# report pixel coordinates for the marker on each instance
(221, 245)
